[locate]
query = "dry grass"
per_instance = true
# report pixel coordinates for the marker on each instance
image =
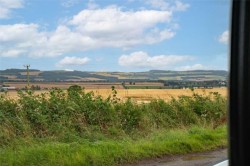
(144, 95)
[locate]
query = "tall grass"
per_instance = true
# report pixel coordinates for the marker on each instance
(74, 123)
(109, 152)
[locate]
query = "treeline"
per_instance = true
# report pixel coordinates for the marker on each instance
(194, 84)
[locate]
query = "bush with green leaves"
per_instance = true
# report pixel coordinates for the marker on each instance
(65, 115)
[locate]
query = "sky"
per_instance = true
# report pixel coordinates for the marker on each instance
(115, 35)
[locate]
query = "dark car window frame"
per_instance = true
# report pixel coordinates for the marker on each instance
(239, 90)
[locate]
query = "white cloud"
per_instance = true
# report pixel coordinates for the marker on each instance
(7, 5)
(179, 6)
(142, 59)
(113, 27)
(18, 32)
(224, 37)
(89, 29)
(35, 43)
(12, 53)
(193, 67)
(72, 61)
(23, 37)
(171, 5)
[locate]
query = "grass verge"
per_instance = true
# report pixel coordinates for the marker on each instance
(113, 152)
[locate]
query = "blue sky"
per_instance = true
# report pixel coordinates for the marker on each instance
(112, 35)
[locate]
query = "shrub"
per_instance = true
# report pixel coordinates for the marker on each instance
(62, 115)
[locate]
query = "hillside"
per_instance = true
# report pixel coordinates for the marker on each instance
(16, 75)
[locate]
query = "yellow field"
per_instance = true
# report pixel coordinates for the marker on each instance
(144, 95)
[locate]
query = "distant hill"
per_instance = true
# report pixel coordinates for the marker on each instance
(16, 75)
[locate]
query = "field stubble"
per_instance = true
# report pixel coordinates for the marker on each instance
(143, 95)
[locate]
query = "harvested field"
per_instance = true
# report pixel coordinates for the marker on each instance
(144, 95)
(66, 85)
(86, 85)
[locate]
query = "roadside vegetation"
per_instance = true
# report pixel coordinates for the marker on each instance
(77, 128)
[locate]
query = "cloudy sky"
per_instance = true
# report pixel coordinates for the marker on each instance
(114, 35)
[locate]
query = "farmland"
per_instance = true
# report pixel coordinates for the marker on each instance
(66, 85)
(109, 118)
(19, 75)
(141, 95)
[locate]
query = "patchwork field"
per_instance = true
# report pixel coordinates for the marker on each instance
(66, 85)
(144, 95)
(152, 75)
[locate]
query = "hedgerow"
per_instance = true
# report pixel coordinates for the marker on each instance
(74, 114)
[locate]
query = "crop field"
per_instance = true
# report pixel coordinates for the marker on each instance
(65, 85)
(86, 85)
(146, 95)
(142, 95)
